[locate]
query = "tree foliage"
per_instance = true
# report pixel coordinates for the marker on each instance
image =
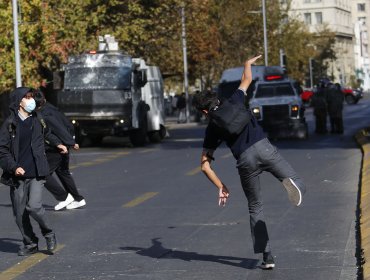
(219, 34)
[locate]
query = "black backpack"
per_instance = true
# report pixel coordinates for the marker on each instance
(230, 116)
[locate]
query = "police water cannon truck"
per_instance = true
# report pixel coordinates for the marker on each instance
(110, 93)
(273, 98)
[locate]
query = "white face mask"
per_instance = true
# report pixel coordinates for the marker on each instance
(30, 105)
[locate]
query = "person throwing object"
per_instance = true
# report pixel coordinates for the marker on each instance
(253, 152)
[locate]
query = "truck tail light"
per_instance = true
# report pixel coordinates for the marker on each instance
(274, 77)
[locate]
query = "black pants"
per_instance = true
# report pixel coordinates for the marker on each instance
(59, 163)
(321, 123)
(336, 124)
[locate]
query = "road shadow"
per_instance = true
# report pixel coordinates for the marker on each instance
(157, 251)
(6, 205)
(48, 207)
(9, 245)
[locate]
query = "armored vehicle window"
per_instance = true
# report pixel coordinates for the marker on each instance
(98, 71)
(274, 90)
(284, 90)
(98, 78)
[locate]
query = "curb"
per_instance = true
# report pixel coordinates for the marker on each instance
(363, 139)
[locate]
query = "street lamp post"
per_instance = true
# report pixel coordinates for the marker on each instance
(16, 45)
(311, 72)
(186, 83)
(265, 43)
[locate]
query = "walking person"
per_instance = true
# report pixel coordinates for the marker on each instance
(181, 107)
(68, 195)
(254, 154)
(335, 101)
(24, 164)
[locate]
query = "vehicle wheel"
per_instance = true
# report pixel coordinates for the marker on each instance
(138, 137)
(350, 99)
(163, 132)
(158, 135)
(155, 136)
(96, 140)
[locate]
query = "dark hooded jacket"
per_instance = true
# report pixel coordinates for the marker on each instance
(9, 139)
(60, 126)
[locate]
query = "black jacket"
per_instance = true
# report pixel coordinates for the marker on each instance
(335, 102)
(60, 126)
(9, 139)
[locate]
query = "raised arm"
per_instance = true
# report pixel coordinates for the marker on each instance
(247, 73)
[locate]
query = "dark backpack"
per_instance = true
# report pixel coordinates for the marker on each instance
(230, 116)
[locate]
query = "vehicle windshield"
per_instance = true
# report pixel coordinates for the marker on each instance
(97, 78)
(98, 71)
(274, 90)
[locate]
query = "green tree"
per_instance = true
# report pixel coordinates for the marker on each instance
(220, 34)
(324, 41)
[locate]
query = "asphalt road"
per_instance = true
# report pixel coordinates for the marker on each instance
(151, 214)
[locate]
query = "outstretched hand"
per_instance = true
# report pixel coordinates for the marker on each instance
(223, 195)
(252, 60)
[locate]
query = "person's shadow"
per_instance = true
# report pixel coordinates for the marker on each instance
(9, 245)
(6, 205)
(159, 252)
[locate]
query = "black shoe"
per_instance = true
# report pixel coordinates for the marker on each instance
(268, 261)
(51, 243)
(28, 250)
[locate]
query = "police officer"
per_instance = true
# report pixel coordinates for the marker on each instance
(335, 101)
(24, 164)
(68, 195)
(319, 103)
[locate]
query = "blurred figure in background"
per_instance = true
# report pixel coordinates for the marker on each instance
(181, 107)
(319, 103)
(335, 108)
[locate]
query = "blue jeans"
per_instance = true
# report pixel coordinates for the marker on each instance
(262, 156)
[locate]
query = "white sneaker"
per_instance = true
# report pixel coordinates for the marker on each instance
(294, 193)
(76, 204)
(64, 203)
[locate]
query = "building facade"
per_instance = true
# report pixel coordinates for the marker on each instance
(337, 16)
(361, 23)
